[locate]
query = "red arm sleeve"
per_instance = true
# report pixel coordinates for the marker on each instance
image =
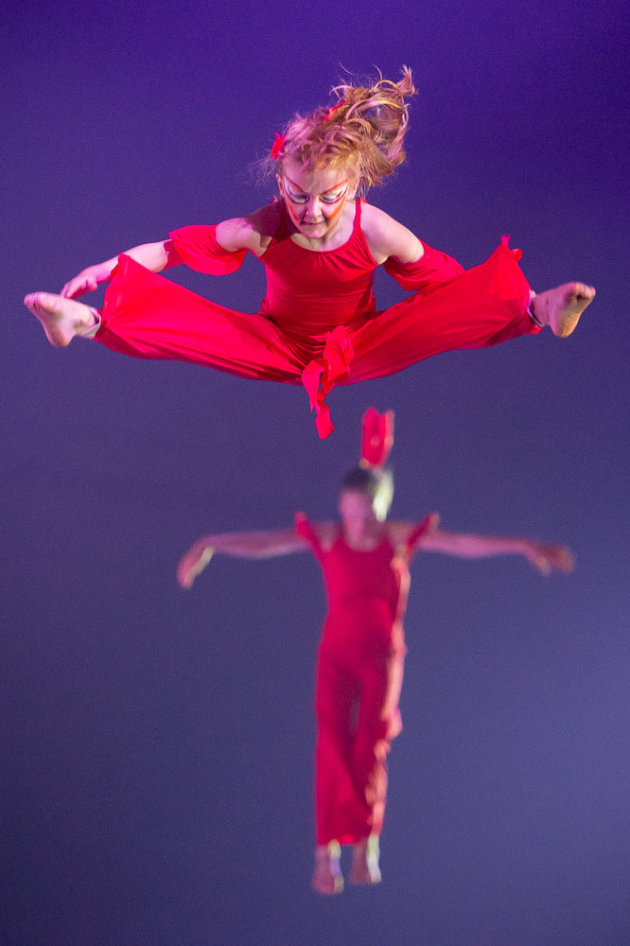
(432, 270)
(198, 248)
(415, 535)
(304, 529)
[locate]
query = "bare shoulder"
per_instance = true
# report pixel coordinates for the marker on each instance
(386, 237)
(399, 532)
(326, 532)
(252, 232)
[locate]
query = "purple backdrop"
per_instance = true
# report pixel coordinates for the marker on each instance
(157, 745)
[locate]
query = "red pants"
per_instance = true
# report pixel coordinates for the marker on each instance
(148, 316)
(356, 704)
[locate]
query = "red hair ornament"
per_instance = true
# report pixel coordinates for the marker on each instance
(377, 437)
(331, 111)
(277, 146)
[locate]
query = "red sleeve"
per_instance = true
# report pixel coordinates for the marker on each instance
(198, 248)
(432, 270)
(415, 535)
(304, 529)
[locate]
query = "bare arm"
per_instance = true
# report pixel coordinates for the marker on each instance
(387, 237)
(240, 233)
(153, 256)
(260, 544)
(542, 555)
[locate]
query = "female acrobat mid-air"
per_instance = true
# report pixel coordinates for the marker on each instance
(365, 564)
(320, 243)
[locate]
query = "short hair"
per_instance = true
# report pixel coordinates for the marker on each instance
(375, 482)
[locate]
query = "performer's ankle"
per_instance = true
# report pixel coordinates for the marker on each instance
(91, 330)
(530, 311)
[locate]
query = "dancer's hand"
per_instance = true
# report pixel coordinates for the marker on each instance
(545, 557)
(87, 280)
(193, 563)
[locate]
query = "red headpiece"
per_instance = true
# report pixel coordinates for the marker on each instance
(377, 437)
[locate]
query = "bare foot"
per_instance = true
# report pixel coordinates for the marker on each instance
(327, 876)
(561, 308)
(365, 868)
(62, 319)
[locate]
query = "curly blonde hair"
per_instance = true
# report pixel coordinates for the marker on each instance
(364, 129)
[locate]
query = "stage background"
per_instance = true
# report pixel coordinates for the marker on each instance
(157, 744)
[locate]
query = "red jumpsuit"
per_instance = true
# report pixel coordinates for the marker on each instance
(317, 324)
(359, 677)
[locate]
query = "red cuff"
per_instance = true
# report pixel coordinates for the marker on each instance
(198, 248)
(433, 269)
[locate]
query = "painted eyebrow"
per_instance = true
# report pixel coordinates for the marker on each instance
(330, 190)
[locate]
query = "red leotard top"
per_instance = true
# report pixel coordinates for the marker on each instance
(311, 292)
(366, 590)
(326, 288)
(308, 292)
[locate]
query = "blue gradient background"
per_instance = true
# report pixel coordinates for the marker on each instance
(156, 744)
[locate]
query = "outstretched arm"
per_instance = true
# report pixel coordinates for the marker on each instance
(542, 555)
(153, 256)
(259, 544)
(234, 235)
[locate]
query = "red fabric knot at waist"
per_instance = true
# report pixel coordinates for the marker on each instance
(322, 373)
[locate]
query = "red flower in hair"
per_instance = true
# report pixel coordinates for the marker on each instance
(277, 146)
(331, 111)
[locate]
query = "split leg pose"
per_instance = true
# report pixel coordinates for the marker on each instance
(320, 243)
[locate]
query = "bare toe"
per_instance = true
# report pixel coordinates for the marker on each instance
(561, 308)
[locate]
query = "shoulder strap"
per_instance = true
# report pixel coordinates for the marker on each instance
(415, 535)
(304, 528)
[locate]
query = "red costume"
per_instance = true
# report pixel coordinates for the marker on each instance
(317, 324)
(359, 677)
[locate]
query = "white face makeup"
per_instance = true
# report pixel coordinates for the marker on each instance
(328, 198)
(315, 198)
